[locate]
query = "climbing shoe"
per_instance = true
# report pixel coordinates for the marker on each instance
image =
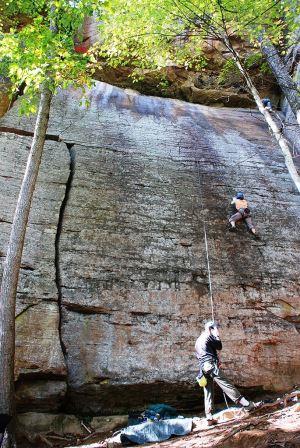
(252, 406)
(254, 234)
(232, 229)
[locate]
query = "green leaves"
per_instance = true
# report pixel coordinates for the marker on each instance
(229, 72)
(31, 53)
(157, 33)
(142, 34)
(145, 34)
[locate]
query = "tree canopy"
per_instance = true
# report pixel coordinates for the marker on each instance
(155, 33)
(37, 45)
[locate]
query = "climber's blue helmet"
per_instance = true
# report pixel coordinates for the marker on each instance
(240, 195)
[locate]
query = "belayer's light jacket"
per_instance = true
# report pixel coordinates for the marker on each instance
(206, 348)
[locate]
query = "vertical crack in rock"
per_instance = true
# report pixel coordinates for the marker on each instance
(57, 244)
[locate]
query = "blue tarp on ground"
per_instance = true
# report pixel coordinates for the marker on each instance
(158, 431)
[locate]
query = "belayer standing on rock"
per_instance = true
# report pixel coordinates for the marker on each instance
(206, 346)
(241, 211)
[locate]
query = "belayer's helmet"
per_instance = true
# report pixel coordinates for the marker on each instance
(240, 195)
(210, 324)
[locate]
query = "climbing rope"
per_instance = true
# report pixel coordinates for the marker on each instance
(225, 399)
(207, 255)
(206, 245)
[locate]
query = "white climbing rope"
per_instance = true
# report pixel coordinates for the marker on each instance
(209, 274)
(207, 258)
(225, 399)
(206, 248)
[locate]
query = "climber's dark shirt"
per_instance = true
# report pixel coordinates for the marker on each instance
(206, 348)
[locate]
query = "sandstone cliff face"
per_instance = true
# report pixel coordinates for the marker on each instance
(114, 287)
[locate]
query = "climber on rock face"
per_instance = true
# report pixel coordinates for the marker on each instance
(241, 211)
(206, 346)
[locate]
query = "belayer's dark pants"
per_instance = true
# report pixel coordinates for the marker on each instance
(214, 374)
(4, 421)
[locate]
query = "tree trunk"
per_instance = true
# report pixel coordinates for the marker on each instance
(285, 81)
(272, 124)
(13, 258)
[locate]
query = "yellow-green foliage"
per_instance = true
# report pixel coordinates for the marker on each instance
(229, 73)
(256, 60)
(42, 50)
(157, 33)
(144, 34)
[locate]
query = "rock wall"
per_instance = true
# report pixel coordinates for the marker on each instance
(114, 287)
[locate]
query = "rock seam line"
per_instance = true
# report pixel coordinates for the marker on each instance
(17, 131)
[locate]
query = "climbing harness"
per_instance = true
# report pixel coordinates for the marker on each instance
(206, 246)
